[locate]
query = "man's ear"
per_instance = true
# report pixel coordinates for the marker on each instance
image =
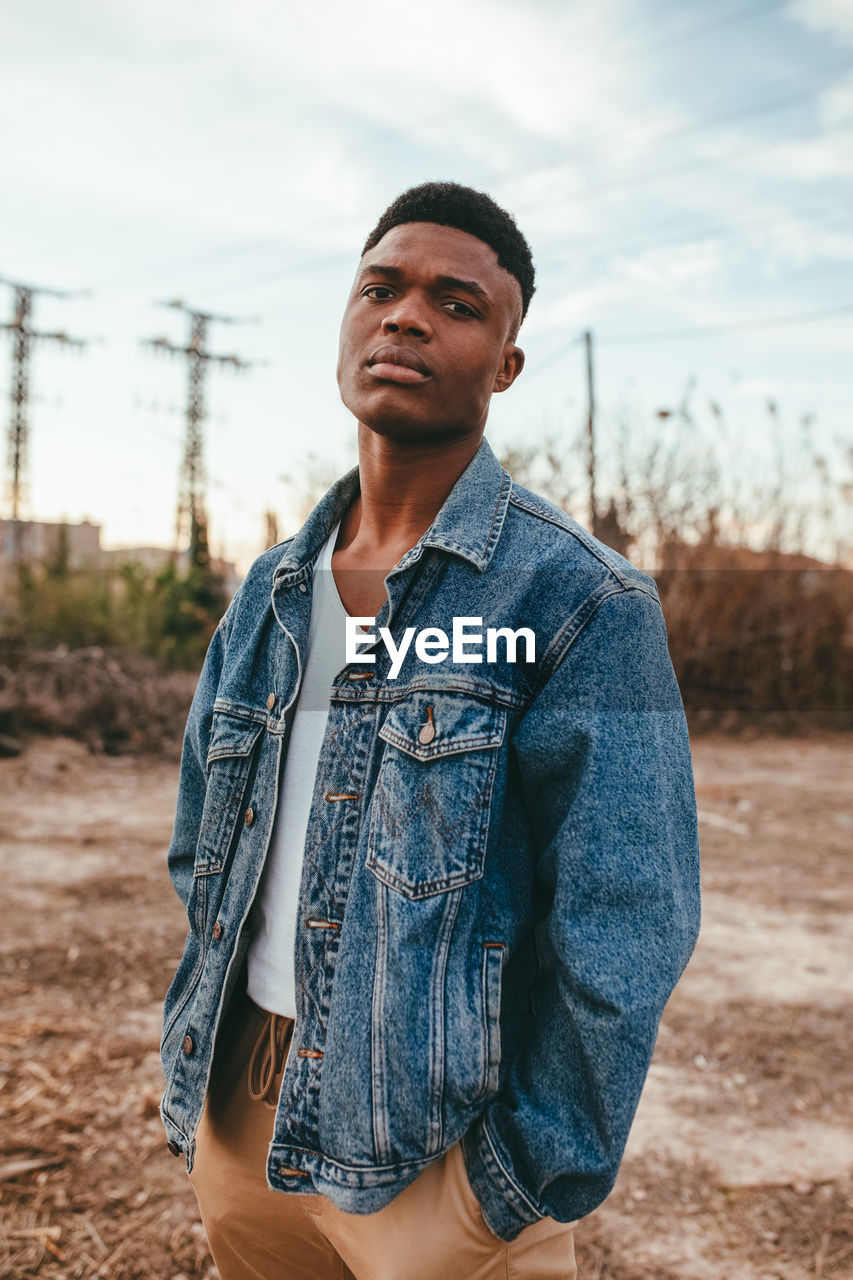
(511, 367)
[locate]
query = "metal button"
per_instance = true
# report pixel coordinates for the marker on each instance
(427, 731)
(188, 1045)
(217, 931)
(302, 587)
(270, 701)
(174, 1148)
(249, 817)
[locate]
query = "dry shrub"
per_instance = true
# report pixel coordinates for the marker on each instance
(760, 630)
(113, 700)
(752, 645)
(760, 640)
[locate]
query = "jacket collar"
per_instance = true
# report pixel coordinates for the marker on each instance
(468, 524)
(472, 517)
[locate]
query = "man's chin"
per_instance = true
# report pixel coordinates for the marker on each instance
(410, 431)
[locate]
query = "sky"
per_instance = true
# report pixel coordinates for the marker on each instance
(683, 172)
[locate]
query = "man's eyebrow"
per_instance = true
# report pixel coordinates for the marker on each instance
(377, 269)
(441, 282)
(467, 286)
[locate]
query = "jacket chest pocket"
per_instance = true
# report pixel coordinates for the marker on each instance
(230, 755)
(430, 814)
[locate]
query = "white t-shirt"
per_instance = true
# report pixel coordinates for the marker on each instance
(271, 978)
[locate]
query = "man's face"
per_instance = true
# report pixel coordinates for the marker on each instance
(427, 334)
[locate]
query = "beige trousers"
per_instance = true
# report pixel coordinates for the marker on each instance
(433, 1230)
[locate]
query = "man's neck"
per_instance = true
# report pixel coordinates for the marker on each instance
(402, 490)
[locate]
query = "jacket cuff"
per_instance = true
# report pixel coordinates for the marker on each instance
(505, 1207)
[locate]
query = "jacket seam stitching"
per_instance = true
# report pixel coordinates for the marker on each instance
(573, 629)
(167, 1115)
(510, 1179)
(315, 1155)
(222, 706)
(499, 504)
(452, 746)
(480, 558)
(554, 657)
(575, 533)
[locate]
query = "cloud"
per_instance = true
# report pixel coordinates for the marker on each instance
(676, 267)
(836, 105)
(411, 68)
(305, 120)
(833, 17)
(222, 158)
(806, 161)
(564, 310)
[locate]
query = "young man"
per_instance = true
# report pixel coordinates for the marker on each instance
(436, 829)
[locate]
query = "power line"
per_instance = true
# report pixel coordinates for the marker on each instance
(748, 111)
(552, 358)
(23, 337)
(768, 107)
(642, 179)
(686, 235)
(719, 22)
(731, 18)
(737, 326)
(699, 331)
(700, 162)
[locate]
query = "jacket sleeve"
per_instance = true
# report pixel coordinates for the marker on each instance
(193, 777)
(606, 776)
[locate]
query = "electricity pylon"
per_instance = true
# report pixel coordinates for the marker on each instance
(191, 519)
(23, 337)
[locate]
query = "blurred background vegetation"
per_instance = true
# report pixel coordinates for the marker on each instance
(752, 564)
(751, 553)
(106, 654)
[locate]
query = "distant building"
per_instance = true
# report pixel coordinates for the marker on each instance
(41, 541)
(152, 558)
(156, 558)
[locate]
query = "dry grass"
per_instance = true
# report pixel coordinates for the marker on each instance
(739, 1165)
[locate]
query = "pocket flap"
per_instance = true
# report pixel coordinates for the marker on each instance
(231, 736)
(429, 725)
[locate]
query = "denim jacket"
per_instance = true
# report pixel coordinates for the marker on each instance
(500, 880)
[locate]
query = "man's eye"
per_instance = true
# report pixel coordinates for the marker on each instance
(380, 291)
(460, 308)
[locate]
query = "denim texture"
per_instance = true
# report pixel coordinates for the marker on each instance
(494, 910)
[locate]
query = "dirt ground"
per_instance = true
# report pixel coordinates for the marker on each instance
(740, 1161)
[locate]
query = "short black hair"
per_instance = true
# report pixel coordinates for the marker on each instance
(452, 205)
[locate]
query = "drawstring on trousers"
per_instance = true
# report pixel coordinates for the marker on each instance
(268, 1058)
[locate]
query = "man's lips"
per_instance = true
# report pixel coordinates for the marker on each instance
(398, 364)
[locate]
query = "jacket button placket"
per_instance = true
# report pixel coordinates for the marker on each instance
(329, 851)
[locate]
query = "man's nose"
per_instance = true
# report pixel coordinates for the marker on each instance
(407, 317)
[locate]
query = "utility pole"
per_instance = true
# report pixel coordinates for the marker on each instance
(271, 537)
(191, 520)
(590, 433)
(23, 336)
